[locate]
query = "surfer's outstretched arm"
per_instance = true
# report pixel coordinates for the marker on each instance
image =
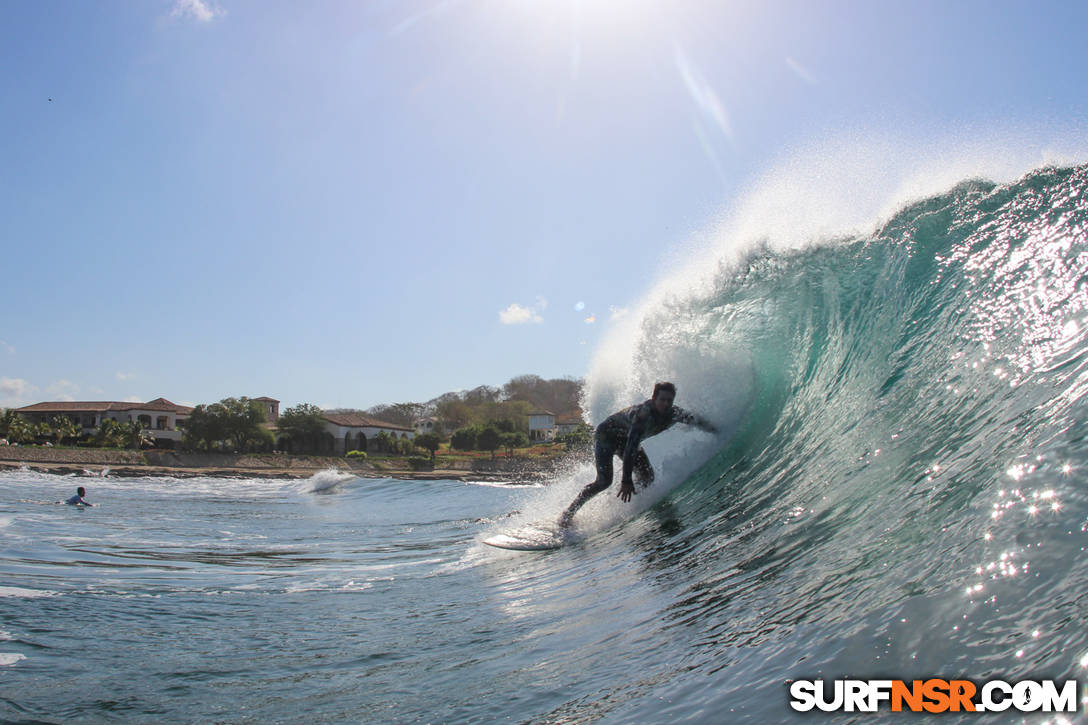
(630, 453)
(683, 416)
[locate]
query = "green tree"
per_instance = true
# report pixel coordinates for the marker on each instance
(384, 441)
(133, 435)
(19, 431)
(513, 440)
(508, 415)
(14, 427)
(428, 442)
(303, 427)
(488, 439)
(112, 434)
(243, 423)
(64, 428)
(580, 437)
(454, 413)
(463, 439)
(233, 421)
(42, 431)
(206, 428)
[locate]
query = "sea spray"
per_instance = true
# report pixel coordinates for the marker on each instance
(331, 480)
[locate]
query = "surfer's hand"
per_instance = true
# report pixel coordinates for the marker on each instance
(627, 490)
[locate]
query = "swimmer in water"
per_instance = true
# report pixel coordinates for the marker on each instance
(78, 500)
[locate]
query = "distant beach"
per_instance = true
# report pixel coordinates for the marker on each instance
(95, 462)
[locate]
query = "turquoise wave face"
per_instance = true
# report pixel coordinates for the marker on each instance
(914, 445)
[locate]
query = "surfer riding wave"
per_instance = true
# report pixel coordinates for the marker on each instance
(621, 434)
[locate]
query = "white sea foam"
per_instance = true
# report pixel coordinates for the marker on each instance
(21, 593)
(852, 181)
(331, 480)
(8, 659)
(504, 484)
(348, 586)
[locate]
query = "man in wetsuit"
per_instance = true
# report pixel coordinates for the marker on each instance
(621, 434)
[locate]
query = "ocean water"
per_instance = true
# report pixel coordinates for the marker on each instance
(899, 490)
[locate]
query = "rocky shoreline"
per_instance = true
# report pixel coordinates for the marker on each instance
(169, 464)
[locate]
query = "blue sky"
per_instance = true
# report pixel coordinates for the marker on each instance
(350, 203)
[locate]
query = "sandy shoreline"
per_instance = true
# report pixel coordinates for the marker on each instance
(92, 463)
(129, 471)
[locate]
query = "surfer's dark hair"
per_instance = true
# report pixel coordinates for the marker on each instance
(81, 491)
(668, 387)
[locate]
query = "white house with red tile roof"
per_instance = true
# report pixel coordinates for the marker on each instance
(352, 431)
(160, 416)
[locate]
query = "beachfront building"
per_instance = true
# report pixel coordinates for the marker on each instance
(159, 416)
(354, 432)
(542, 426)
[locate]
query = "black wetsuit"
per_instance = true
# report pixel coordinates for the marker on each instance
(621, 434)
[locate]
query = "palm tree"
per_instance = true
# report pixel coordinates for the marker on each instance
(64, 428)
(15, 428)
